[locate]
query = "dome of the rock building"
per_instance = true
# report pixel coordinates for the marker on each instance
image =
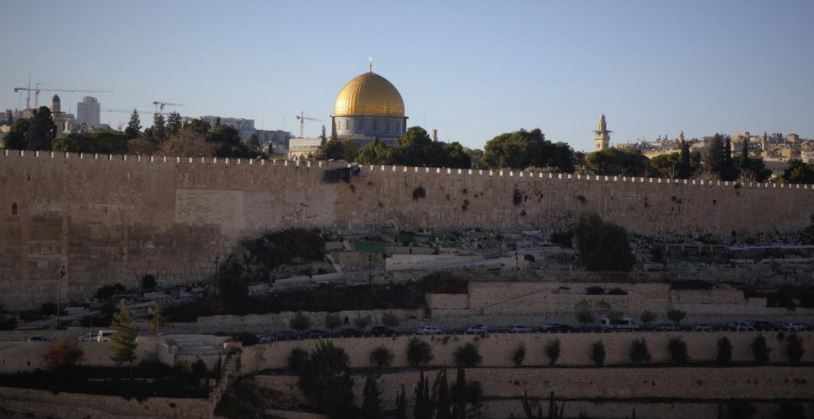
(369, 94)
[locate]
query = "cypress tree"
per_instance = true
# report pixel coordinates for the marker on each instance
(423, 403)
(372, 401)
(123, 340)
(441, 396)
(684, 168)
(134, 126)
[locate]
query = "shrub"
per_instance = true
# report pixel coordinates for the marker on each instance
(647, 317)
(362, 322)
(639, 353)
(381, 357)
(584, 315)
(418, 353)
(107, 291)
(332, 321)
(598, 353)
(760, 350)
(519, 355)
(563, 239)
(678, 351)
(326, 381)
(794, 349)
(297, 359)
(467, 356)
(595, 291)
(603, 246)
(390, 320)
(247, 338)
(724, 355)
(552, 351)
(148, 282)
(63, 353)
(676, 315)
(419, 192)
(300, 322)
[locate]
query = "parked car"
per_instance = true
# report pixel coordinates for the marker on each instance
(792, 327)
(351, 333)
(740, 326)
(382, 331)
(516, 328)
(703, 328)
(284, 335)
(316, 334)
(624, 323)
(666, 327)
(556, 327)
(38, 339)
(104, 335)
(478, 329)
(428, 330)
(763, 325)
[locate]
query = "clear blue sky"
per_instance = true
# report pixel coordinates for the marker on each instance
(471, 69)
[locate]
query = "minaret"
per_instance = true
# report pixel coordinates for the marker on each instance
(56, 107)
(602, 135)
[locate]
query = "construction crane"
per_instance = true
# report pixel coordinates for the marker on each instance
(302, 119)
(159, 105)
(130, 110)
(36, 89)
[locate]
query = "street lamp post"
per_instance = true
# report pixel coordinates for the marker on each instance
(59, 293)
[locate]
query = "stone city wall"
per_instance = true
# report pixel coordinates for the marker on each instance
(41, 403)
(26, 356)
(91, 220)
(613, 384)
(282, 320)
(497, 349)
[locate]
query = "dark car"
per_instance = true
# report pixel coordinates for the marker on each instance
(556, 327)
(764, 325)
(351, 333)
(382, 331)
(316, 334)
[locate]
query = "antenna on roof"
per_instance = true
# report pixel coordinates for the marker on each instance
(370, 64)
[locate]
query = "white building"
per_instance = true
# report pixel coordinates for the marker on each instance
(273, 141)
(244, 127)
(88, 112)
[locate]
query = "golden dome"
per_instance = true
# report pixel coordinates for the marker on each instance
(369, 94)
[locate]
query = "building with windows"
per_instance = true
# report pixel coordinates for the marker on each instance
(244, 127)
(88, 112)
(65, 122)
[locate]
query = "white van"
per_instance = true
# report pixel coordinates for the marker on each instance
(104, 335)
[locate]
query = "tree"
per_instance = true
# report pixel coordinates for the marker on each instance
(583, 313)
(718, 158)
(416, 148)
(791, 410)
(441, 395)
(159, 130)
(401, 404)
(794, 349)
(189, 142)
(42, 130)
(519, 355)
(684, 166)
(134, 126)
(338, 150)
(552, 351)
(638, 352)
(123, 341)
(423, 403)
(603, 246)
(467, 356)
(362, 322)
(647, 317)
(300, 322)
(232, 287)
(760, 350)
(465, 393)
(63, 352)
(174, 123)
(678, 351)
(668, 165)
(148, 282)
(522, 149)
(724, 355)
(326, 381)
(372, 399)
(381, 357)
(17, 138)
(418, 353)
(598, 353)
(799, 172)
(390, 320)
(616, 162)
(298, 359)
(676, 316)
(156, 320)
(375, 153)
(332, 321)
